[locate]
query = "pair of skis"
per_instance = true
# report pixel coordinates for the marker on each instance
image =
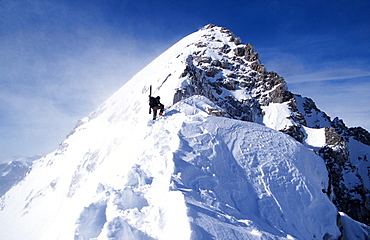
(150, 95)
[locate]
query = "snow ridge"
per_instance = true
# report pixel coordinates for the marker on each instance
(199, 177)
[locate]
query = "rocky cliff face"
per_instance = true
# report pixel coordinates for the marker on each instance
(235, 79)
(343, 163)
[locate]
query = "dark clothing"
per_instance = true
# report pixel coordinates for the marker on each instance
(156, 105)
(155, 109)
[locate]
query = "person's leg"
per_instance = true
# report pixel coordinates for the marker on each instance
(155, 112)
(161, 109)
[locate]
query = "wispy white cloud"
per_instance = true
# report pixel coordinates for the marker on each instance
(296, 68)
(329, 75)
(31, 125)
(44, 99)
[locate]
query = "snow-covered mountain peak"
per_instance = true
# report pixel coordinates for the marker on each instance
(193, 175)
(213, 167)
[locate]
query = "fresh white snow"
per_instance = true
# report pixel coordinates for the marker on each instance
(276, 116)
(353, 230)
(314, 138)
(188, 175)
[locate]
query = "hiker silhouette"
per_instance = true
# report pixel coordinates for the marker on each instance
(156, 105)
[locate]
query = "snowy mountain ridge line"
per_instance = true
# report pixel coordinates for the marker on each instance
(118, 176)
(183, 159)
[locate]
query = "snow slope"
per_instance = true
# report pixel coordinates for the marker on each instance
(188, 175)
(233, 174)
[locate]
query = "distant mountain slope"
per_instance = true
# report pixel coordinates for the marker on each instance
(14, 171)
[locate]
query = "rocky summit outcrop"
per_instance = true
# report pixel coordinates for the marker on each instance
(231, 75)
(232, 70)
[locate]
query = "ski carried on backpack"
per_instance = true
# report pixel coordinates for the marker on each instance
(150, 95)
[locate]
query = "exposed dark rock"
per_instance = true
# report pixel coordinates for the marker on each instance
(339, 125)
(239, 51)
(280, 94)
(237, 41)
(331, 137)
(231, 75)
(208, 26)
(243, 84)
(250, 55)
(211, 72)
(230, 84)
(203, 59)
(200, 45)
(225, 64)
(226, 49)
(216, 63)
(360, 134)
(254, 66)
(295, 132)
(336, 158)
(353, 201)
(261, 69)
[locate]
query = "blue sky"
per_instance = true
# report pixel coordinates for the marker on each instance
(60, 59)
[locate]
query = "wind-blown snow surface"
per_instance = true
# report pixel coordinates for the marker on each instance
(188, 175)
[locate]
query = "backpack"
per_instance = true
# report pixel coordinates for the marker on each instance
(153, 102)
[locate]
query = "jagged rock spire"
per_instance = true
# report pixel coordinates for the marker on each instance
(221, 65)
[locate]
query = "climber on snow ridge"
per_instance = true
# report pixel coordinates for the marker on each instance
(156, 105)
